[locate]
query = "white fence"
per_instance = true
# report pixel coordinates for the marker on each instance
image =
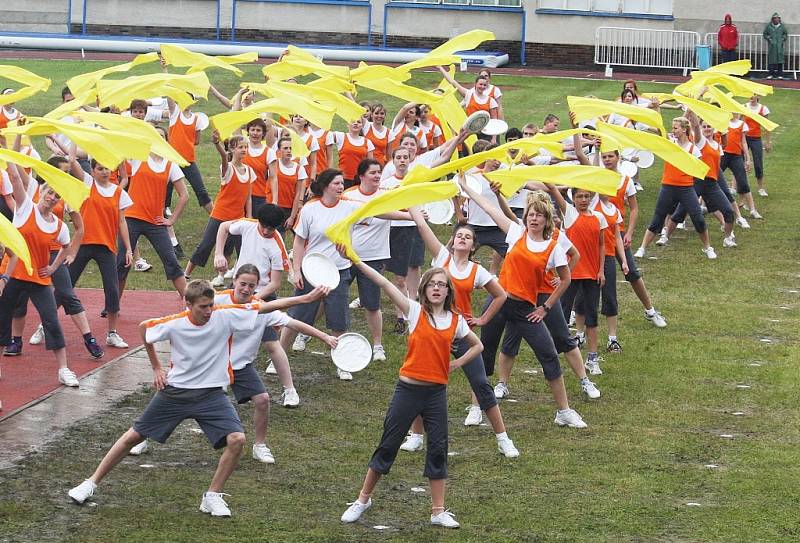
(755, 47)
(646, 48)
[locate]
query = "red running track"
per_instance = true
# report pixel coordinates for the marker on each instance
(34, 374)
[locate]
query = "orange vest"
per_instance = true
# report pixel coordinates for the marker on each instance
(753, 128)
(673, 176)
(39, 244)
(148, 190)
(610, 237)
(523, 272)
(428, 354)
(101, 218)
(473, 105)
(463, 289)
(287, 186)
(231, 199)
(350, 156)
(380, 144)
(585, 235)
(183, 137)
(619, 201)
(733, 145)
(260, 166)
(712, 158)
(322, 153)
(58, 211)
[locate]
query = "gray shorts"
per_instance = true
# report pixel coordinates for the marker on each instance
(210, 407)
(491, 236)
(246, 384)
(270, 332)
(407, 250)
(337, 312)
(368, 292)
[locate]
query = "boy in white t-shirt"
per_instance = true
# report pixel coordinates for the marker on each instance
(193, 387)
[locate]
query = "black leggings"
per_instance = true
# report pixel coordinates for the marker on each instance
(712, 195)
(668, 198)
(209, 241)
(107, 264)
(45, 303)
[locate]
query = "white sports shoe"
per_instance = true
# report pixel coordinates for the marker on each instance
(571, 322)
(290, 398)
(755, 215)
(762, 192)
(228, 274)
(262, 453)
(474, 417)
(355, 304)
(593, 366)
(569, 417)
(67, 377)
(140, 449)
(344, 375)
(639, 253)
(413, 443)
(271, 369)
(378, 353)
(662, 240)
(709, 252)
(729, 242)
(214, 503)
(589, 388)
(445, 519)
(142, 265)
(300, 341)
(83, 491)
(218, 281)
(507, 448)
(38, 336)
(681, 225)
(742, 222)
(656, 318)
(501, 390)
(355, 510)
(113, 339)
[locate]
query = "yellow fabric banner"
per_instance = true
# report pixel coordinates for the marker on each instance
(591, 178)
(178, 56)
(716, 117)
(14, 242)
(72, 190)
(81, 84)
(589, 108)
(727, 102)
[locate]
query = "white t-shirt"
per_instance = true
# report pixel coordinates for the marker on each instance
(107, 192)
(425, 159)
(736, 123)
(5, 184)
(482, 276)
(315, 218)
(202, 118)
(158, 165)
(270, 157)
(390, 183)
(431, 132)
(558, 257)
(572, 215)
(266, 254)
(244, 346)
(200, 354)
(471, 93)
(441, 322)
(476, 216)
(293, 167)
(23, 213)
(370, 235)
(758, 108)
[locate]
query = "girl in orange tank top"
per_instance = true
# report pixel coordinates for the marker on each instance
(378, 134)
(422, 388)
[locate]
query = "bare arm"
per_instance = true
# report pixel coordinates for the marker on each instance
(428, 237)
(159, 375)
(558, 197)
(307, 329)
(462, 90)
(498, 295)
(183, 199)
(220, 262)
(272, 287)
(285, 303)
(620, 248)
(500, 219)
(446, 150)
(398, 298)
(401, 115)
(299, 251)
(475, 348)
(126, 239)
(222, 98)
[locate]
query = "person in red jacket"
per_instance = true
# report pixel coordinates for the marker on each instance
(728, 40)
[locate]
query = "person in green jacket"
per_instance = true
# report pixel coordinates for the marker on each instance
(775, 33)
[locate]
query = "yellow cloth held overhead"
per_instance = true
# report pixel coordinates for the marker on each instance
(736, 85)
(664, 148)
(716, 117)
(67, 108)
(727, 103)
(72, 190)
(18, 96)
(289, 67)
(34, 84)
(318, 114)
(14, 242)
(463, 42)
(427, 61)
(178, 56)
(335, 84)
(226, 123)
(393, 200)
(366, 72)
(175, 86)
(591, 178)
(735, 67)
(81, 84)
(341, 106)
(590, 108)
(299, 147)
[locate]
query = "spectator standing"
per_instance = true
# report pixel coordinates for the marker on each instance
(776, 34)
(728, 40)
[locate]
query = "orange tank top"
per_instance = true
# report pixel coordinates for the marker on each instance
(39, 245)
(474, 105)
(58, 211)
(712, 158)
(148, 190)
(585, 236)
(259, 165)
(350, 155)
(733, 145)
(428, 354)
(231, 199)
(379, 142)
(753, 128)
(183, 137)
(619, 201)
(523, 270)
(463, 288)
(611, 219)
(322, 152)
(673, 176)
(101, 218)
(287, 185)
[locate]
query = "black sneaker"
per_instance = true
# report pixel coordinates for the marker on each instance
(94, 348)
(613, 346)
(400, 326)
(104, 314)
(13, 349)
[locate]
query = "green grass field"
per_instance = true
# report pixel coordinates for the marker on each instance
(629, 477)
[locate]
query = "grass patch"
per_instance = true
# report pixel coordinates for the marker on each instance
(666, 400)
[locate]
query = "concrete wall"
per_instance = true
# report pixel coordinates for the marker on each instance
(751, 17)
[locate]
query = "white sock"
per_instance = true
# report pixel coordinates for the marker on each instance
(612, 338)
(651, 311)
(174, 241)
(501, 435)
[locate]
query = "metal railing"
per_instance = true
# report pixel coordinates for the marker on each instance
(755, 48)
(646, 48)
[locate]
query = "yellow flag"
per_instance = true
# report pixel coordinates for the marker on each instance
(72, 190)
(590, 108)
(14, 242)
(716, 117)
(591, 178)
(736, 67)
(317, 114)
(393, 200)
(23, 76)
(68, 107)
(289, 67)
(664, 148)
(428, 60)
(17, 96)
(226, 123)
(727, 103)
(80, 84)
(178, 56)
(299, 147)
(335, 84)
(342, 106)
(737, 85)
(175, 86)
(367, 72)
(463, 42)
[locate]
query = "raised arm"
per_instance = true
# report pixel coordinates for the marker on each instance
(223, 154)
(500, 219)
(558, 197)
(449, 147)
(462, 90)
(431, 241)
(398, 298)
(222, 98)
(401, 115)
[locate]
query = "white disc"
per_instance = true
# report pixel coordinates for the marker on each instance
(439, 212)
(646, 159)
(495, 127)
(476, 121)
(320, 270)
(353, 353)
(627, 168)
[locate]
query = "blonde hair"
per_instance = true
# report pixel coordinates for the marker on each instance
(539, 201)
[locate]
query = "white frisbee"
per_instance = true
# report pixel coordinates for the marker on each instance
(472, 182)
(627, 168)
(646, 159)
(495, 127)
(476, 122)
(353, 352)
(320, 270)
(439, 212)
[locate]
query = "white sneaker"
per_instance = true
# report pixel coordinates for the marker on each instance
(140, 449)
(639, 253)
(355, 510)
(755, 215)
(142, 265)
(262, 453)
(580, 337)
(271, 369)
(290, 398)
(214, 504)
(300, 341)
(742, 222)
(681, 225)
(729, 242)
(571, 322)
(344, 375)
(228, 274)
(762, 192)
(83, 491)
(355, 304)
(507, 448)
(474, 417)
(569, 417)
(589, 388)
(167, 213)
(445, 519)
(113, 339)
(501, 390)
(662, 240)
(378, 353)
(413, 443)
(218, 281)
(593, 366)
(38, 336)
(709, 252)
(656, 318)
(67, 377)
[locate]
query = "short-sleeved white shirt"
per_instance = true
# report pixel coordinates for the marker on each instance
(255, 151)
(558, 257)
(107, 192)
(338, 138)
(482, 276)
(370, 235)
(23, 213)
(202, 118)
(476, 216)
(441, 322)
(266, 254)
(158, 165)
(572, 215)
(200, 355)
(5, 184)
(315, 218)
(425, 159)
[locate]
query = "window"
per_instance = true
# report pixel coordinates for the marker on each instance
(639, 7)
(493, 3)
